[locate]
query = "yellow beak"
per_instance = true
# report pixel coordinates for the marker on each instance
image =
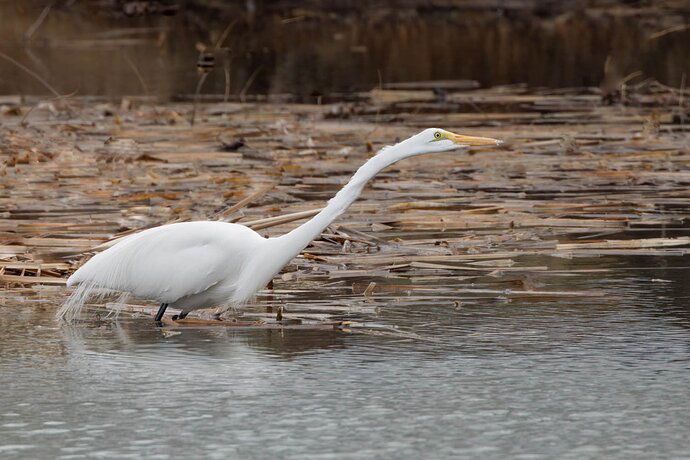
(471, 140)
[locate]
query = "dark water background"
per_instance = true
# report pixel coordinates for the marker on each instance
(603, 377)
(94, 49)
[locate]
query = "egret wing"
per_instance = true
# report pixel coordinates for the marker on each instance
(164, 263)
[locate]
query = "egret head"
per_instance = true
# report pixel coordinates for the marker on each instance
(440, 140)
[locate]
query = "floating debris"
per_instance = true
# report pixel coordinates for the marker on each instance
(574, 180)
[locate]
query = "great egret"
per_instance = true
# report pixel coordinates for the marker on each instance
(193, 265)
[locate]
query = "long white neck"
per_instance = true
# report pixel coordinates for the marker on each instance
(292, 243)
(274, 253)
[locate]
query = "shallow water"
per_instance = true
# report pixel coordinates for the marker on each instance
(572, 378)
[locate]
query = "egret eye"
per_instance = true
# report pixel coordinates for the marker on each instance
(437, 135)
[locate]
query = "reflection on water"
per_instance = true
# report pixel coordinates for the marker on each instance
(313, 53)
(572, 378)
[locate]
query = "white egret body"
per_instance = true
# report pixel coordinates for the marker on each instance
(193, 265)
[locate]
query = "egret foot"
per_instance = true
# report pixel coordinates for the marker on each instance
(182, 315)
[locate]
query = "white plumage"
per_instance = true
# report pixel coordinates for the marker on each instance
(194, 265)
(173, 263)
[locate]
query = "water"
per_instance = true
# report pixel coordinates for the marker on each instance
(309, 53)
(546, 378)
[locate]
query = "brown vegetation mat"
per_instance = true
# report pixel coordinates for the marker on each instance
(575, 179)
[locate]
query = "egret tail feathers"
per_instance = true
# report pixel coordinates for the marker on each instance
(71, 309)
(117, 306)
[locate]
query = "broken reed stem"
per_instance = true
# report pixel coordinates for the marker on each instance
(26, 115)
(243, 202)
(137, 73)
(226, 58)
(39, 79)
(31, 72)
(670, 30)
(250, 80)
(37, 23)
(369, 290)
(279, 220)
(224, 35)
(196, 96)
(226, 71)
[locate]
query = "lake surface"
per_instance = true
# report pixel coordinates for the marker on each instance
(308, 52)
(603, 377)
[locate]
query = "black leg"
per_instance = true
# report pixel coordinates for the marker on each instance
(182, 315)
(161, 310)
